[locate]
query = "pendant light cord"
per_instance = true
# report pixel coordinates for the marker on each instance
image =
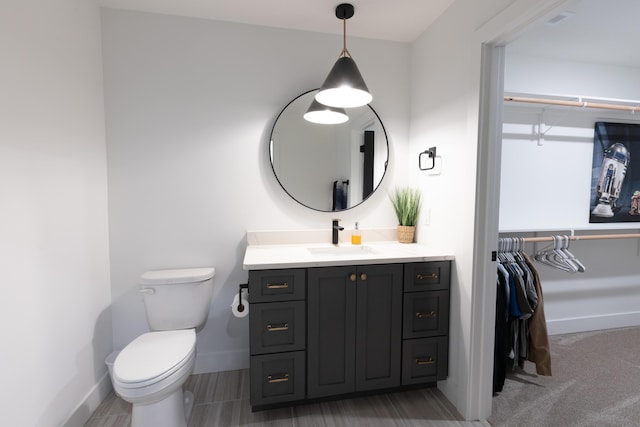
(345, 51)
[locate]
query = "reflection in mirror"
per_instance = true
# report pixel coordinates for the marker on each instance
(328, 167)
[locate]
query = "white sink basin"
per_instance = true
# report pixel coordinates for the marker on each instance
(341, 250)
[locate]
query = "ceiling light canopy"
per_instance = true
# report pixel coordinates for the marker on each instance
(324, 114)
(344, 87)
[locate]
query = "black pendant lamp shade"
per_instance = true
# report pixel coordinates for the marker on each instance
(324, 114)
(344, 87)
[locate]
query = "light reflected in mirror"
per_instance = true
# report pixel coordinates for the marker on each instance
(328, 167)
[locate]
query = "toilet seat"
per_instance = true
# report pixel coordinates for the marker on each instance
(153, 357)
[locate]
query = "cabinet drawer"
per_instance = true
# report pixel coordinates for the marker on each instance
(425, 314)
(277, 326)
(425, 360)
(276, 285)
(277, 378)
(427, 276)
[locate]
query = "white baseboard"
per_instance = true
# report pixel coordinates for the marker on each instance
(221, 361)
(593, 323)
(81, 413)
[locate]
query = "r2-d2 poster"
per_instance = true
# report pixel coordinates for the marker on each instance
(615, 176)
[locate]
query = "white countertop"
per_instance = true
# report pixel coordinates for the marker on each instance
(265, 252)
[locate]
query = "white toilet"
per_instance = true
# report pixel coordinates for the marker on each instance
(150, 371)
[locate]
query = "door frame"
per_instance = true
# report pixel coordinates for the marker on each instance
(516, 19)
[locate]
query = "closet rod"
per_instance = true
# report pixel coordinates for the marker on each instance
(594, 237)
(581, 104)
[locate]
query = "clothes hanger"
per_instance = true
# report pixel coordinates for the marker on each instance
(567, 257)
(563, 257)
(552, 256)
(510, 255)
(572, 258)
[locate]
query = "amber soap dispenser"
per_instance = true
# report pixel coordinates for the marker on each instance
(356, 237)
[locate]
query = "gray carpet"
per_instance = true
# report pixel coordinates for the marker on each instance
(595, 382)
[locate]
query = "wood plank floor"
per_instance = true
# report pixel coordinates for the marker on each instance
(222, 400)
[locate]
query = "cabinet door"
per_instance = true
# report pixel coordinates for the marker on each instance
(277, 326)
(277, 378)
(331, 328)
(276, 285)
(427, 276)
(379, 326)
(426, 314)
(425, 360)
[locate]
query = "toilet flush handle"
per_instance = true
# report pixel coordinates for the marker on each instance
(147, 291)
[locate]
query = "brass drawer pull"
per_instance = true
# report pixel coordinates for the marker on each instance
(284, 327)
(352, 277)
(363, 276)
(425, 360)
(282, 285)
(426, 276)
(430, 314)
(280, 379)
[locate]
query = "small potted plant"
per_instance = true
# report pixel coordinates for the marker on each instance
(406, 203)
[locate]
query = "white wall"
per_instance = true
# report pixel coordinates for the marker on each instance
(545, 185)
(189, 108)
(55, 320)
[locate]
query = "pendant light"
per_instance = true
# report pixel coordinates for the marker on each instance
(344, 87)
(325, 115)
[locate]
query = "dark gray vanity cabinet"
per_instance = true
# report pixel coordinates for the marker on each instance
(318, 332)
(354, 329)
(425, 345)
(277, 332)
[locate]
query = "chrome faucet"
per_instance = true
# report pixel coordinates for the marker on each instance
(334, 231)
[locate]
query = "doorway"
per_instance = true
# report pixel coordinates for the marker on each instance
(522, 19)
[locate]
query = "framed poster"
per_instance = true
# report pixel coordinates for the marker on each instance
(615, 173)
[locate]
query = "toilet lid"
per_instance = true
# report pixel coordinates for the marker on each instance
(183, 275)
(153, 356)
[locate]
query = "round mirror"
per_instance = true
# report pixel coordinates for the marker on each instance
(328, 167)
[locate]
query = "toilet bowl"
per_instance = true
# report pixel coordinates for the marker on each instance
(151, 370)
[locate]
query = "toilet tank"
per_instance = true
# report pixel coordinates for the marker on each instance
(178, 298)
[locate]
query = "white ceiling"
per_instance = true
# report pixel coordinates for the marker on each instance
(395, 20)
(600, 31)
(604, 31)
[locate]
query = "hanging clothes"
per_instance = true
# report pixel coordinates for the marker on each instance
(521, 331)
(501, 344)
(539, 352)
